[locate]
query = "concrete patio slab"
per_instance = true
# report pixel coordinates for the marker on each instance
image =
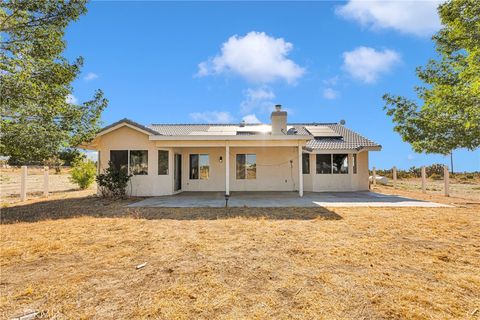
(283, 199)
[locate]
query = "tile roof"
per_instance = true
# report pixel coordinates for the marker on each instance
(347, 140)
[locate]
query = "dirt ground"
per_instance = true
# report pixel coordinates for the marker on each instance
(10, 183)
(75, 256)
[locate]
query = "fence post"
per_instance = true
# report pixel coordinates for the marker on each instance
(394, 177)
(23, 184)
(374, 177)
(446, 178)
(424, 180)
(45, 181)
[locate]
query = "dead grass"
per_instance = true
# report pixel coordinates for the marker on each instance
(359, 263)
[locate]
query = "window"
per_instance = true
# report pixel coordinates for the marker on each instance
(306, 163)
(162, 162)
(324, 163)
(119, 158)
(199, 167)
(354, 158)
(139, 162)
(246, 166)
(340, 163)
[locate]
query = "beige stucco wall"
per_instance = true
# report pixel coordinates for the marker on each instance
(338, 182)
(274, 170)
(125, 138)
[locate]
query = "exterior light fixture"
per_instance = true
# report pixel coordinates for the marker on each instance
(221, 159)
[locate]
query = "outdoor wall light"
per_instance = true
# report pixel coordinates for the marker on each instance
(221, 159)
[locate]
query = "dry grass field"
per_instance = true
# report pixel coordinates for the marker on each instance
(75, 257)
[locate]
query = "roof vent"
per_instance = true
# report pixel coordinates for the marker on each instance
(342, 122)
(242, 123)
(278, 107)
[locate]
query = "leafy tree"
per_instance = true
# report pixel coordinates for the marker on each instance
(38, 118)
(71, 155)
(449, 116)
(83, 173)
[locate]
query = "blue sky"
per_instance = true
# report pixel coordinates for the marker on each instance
(192, 62)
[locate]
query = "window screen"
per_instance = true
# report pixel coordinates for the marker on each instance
(199, 166)
(162, 162)
(354, 158)
(306, 163)
(246, 166)
(324, 163)
(119, 158)
(139, 162)
(340, 163)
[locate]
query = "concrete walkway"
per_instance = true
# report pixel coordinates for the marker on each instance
(283, 199)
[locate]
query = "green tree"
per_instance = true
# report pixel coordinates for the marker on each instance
(37, 118)
(447, 114)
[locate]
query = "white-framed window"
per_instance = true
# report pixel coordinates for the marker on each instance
(246, 166)
(162, 162)
(199, 167)
(332, 163)
(354, 164)
(136, 161)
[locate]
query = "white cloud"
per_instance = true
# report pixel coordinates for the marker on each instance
(90, 76)
(71, 99)
(413, 17)
(330, 94)
(256, 57)
(331, 81)
(212, 117)
(367, 64)
(411, 157)
(251, 118)
(259, 99)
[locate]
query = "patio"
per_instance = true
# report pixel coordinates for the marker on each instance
(283, 199)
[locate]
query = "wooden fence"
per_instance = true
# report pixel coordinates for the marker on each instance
(446, 179)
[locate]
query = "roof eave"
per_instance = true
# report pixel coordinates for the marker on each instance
(225, 138)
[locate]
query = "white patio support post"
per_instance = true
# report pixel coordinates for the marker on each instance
(227, 168)
(45, 181)
(300, 170)
(394, 177)
(23, 184)
(446, 178)
(424, 180)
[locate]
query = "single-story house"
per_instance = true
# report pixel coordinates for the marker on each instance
(165, 159)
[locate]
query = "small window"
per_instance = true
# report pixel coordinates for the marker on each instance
(162, 162)
(306, 163)
(139, 162)
(324, 163)
(340, 163)
(119, 158)
(354, 158)
(246, 166)
(199, 167)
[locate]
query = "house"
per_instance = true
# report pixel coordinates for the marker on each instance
(166, 159)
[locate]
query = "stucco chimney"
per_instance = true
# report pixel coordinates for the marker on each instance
(279, 120)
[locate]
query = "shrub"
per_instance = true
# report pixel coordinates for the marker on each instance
(436, 176)
(83, 173)
(113, 182)
(434, 169)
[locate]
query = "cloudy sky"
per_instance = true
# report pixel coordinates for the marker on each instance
(210, 62)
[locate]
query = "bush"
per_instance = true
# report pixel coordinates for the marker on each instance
(113, 182)
(436, 176)
(83, 173)
(434, 169)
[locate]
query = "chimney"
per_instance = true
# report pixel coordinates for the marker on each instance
(279, 120)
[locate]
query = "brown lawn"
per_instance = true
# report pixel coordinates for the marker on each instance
(76, 258)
